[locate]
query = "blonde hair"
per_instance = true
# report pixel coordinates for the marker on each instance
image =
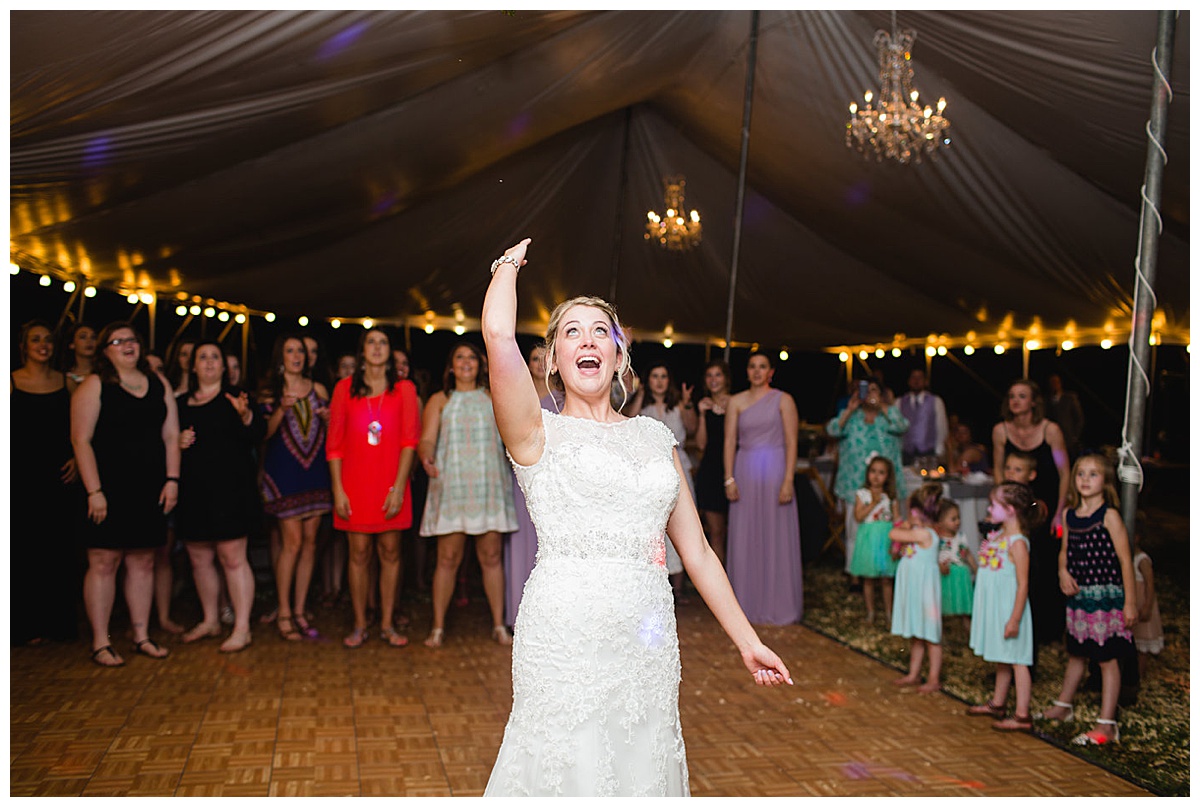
(554, 380)
(1030, 511)
(1111, 498)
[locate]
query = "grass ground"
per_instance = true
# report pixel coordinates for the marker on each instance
(1155, 746)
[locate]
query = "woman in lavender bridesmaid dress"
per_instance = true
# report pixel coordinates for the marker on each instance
(761, 428)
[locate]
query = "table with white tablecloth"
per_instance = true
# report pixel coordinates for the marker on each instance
(970, 493)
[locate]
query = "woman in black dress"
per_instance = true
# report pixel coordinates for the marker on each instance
(710, 473)
(125, 433)
(44, 563)
(1024, 426)
(218, 497)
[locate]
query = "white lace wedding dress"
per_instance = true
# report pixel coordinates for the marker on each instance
(595, 653)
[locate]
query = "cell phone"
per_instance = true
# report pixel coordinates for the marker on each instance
(863, 387)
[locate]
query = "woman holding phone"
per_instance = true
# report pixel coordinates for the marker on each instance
(869, 426)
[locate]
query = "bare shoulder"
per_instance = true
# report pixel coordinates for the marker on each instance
(322, 393)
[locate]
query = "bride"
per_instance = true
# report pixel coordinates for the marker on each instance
(595, 653)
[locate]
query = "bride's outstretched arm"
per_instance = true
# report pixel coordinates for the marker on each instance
(708, 575)
(514, 398)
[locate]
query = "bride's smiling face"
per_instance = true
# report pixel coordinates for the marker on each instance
(585, 352)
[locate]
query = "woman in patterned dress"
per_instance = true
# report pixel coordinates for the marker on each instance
(867, 425)
(470, 487)
(296, 486)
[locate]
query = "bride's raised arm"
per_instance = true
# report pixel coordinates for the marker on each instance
(514, 399)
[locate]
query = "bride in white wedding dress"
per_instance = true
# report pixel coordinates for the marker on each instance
(595, 653)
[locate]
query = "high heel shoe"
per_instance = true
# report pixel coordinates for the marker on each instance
(1069, 717)
(1094, 737)
(436, 637)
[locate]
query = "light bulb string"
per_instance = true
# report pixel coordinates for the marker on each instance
(1129, 468)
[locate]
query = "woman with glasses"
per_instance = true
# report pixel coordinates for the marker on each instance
(125, 434)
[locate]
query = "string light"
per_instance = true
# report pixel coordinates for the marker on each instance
(132, 298)
(89, 291)
(1106, 343)
(269, 316)
(879, 353)
(69, 286)
(303, 320)
(1032, 344)
(368, 323)
(194, 310)
(14, 268)
(843, 357)
(896, 352)
(210, 312)
(1067, 344)
(428, 327)
(240, 319)
(941, 351)
(460, 330)
(667, 341)
(930, 350)
(969, 350)
(862, 354)
(181, 310)
(44, 280)
(335, 323)
(783, 354)
(223, 316)
(999, 349)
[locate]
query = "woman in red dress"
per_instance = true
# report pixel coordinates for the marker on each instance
(374, 428)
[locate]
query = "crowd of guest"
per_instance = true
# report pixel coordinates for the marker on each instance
(343, 465)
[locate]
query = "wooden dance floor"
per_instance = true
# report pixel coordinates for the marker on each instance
(315, 719)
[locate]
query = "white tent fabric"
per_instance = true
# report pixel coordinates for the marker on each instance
(371, 163)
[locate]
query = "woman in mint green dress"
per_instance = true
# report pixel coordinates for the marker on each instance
(470, 485)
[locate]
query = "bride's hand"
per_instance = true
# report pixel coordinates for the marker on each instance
(518, 251)
(767, 667)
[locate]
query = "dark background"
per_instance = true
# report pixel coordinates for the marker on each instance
(971, 386)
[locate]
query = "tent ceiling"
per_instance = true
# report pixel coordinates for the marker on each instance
(372, 163)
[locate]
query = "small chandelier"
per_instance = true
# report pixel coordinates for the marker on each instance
(899, 128)
(672, 230)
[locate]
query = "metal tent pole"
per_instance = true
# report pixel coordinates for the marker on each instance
(751, 61)
(1129, 469)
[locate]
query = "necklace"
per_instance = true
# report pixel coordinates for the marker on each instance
(374, 428)
(135, 390)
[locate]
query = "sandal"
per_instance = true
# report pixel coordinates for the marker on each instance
(306, 629)
(1014, 723)
(230, 645)
(288, 633)
(120, 662)
(1068, 718)
(436, 637)
(392, 638)
(356, 639)
(140, 647)
(501, 635)
(1094, 737)
(988, 709)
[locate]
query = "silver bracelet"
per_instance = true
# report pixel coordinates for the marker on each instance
(505, 259)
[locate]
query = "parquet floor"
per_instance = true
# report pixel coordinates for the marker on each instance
(315, 719)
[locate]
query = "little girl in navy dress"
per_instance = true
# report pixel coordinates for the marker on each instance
(1095, 571)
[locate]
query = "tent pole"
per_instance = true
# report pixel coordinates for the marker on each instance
(152, 312)
(245, 347)
(616, 258)
(751, 61)
(1129, 470)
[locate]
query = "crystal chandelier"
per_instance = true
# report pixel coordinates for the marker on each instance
(672, 230)
(899, 128)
